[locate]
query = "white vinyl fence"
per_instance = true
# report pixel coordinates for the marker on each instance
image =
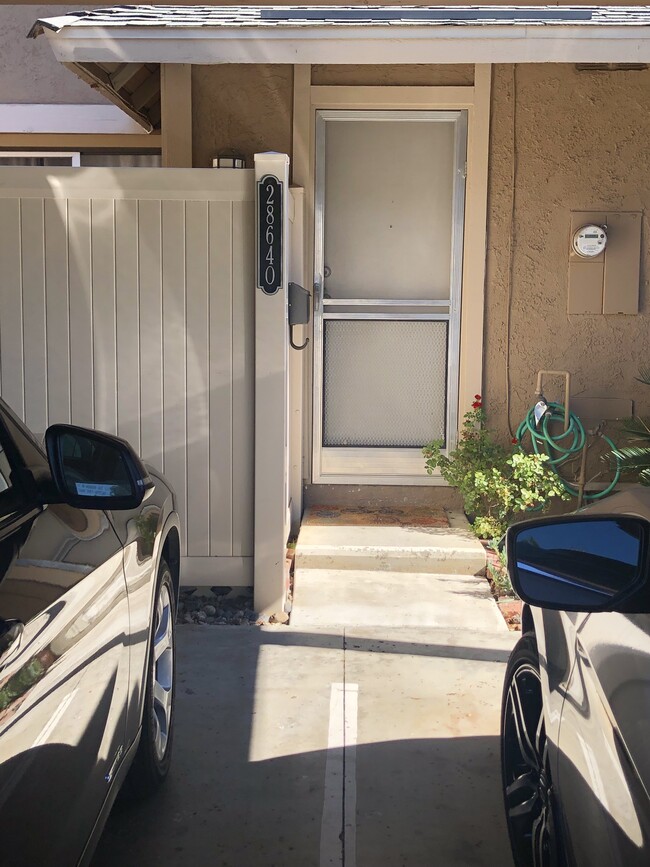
(127, 304)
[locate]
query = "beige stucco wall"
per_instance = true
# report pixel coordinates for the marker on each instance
(29, 72)
(248, 107)
(581, 144)
(413, 75)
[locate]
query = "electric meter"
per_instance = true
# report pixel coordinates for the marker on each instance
(590, 241)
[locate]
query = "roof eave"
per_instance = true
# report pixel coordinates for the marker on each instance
(468, 43)
(101, 82)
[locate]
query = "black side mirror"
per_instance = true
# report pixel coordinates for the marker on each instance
(581, 563)
(93, 470)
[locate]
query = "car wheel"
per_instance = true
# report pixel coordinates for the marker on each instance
(151, 763)
(527, 785)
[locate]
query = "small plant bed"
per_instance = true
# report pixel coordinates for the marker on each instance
(502, 590)
(290, 570)
(499, 485)
(376, 516)
(216, 609)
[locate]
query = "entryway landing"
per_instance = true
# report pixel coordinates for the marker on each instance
(391, 567)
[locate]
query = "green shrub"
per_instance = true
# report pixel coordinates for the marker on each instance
(495, 484)
(498, 573)
(636, 458)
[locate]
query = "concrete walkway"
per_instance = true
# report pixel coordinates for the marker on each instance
(327, 748)
(404, 573)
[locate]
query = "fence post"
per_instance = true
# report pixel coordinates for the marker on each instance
(271, 381)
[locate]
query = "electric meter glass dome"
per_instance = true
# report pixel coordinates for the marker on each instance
(590, 241)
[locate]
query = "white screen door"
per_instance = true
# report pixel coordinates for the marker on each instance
(390, 192)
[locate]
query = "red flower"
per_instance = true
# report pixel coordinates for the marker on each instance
(515, 441)
(477, 397)
(477, 404)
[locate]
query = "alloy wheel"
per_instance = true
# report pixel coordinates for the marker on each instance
(527, 780)
(163, 670)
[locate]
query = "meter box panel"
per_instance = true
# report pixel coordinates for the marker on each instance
(586, 275)
(622, 263)
(586, 287)
(604, 260)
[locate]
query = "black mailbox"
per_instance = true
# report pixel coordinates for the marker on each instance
(299, 310)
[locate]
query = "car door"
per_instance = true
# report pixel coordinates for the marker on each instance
(603, 777)
(63, 663)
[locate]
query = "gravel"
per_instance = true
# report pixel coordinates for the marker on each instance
(217, 609)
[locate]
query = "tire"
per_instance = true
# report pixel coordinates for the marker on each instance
(529, 800)
(153, 757)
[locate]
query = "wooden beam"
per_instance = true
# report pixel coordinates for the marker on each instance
(93, 75)
(54, 118)
(475, 240)
(124, 74)
(80, 141)
(301, 124)
(301, 367)
(176, 114)
(389, 97)
(147, 91)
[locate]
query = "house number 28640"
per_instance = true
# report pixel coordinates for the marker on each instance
(269, 234)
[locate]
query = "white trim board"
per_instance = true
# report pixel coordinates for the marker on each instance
(237, 571)
(65, 118)
(512, 43)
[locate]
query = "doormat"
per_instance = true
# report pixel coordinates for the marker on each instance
(381, 516)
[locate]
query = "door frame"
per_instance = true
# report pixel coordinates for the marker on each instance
(380, 465)
(476, 99)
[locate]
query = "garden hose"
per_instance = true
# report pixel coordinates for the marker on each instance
(562, 447)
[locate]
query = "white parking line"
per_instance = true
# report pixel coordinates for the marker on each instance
(351, 707)
(338, 826)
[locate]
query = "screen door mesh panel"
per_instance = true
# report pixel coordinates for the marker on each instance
(384, 383)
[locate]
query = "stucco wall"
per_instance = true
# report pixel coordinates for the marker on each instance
(581, 144)
(413, 75)
(248, 107)
(29, 71)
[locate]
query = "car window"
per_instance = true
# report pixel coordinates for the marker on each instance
(18, 449)
(11, 497)
(5, 471)
(30, 451)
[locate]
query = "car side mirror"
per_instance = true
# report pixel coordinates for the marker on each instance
(581, 563)
(93, 470)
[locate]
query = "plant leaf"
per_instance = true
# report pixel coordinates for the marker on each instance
(644, 374)
(632, 458)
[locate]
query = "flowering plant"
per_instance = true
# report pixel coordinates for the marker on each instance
(494, 482)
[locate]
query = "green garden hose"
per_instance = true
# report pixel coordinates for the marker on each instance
(564, 446)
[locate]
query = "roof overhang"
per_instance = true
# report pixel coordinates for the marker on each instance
(544, 34)
(119, 50)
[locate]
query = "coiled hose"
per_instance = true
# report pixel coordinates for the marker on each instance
(564, 446)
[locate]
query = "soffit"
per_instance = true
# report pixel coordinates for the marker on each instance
(134, 87)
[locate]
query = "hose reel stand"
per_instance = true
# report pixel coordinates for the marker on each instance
(562, 447)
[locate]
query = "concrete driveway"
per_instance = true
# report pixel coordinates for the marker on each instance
(307, 748)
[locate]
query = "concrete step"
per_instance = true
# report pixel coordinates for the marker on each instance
(371, 598)
(437, 550)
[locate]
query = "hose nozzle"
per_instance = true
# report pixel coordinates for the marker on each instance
(540, 409)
